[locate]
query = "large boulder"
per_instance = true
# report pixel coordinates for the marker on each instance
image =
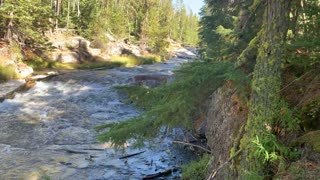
(94, 51)
(150, 80)
(226, 115)
(65, 57)
(72, 42)
(23, 70)
(114, 49)
(186, 53)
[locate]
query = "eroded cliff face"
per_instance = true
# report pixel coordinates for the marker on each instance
(226, 115)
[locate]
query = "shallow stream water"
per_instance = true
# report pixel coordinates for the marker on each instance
(47, 132)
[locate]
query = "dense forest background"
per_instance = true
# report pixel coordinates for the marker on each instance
(148, 23)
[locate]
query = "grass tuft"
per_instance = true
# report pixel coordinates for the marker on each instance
(196, 170)
(131, 60)
(38, 63)
(7, 72)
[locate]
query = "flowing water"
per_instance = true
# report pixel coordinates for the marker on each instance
(47, 132)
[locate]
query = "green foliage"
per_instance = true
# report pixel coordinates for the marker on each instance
(303, 43)
(300, 170)
(196, 170)
(286, 118)
(45, 177)
(175, 104)
(311, 114)
(252, 175)
(38, 63)
(266, 151)
(312, 139)
(24, 20)
(150, 22)
(237, 31)
(214, 15)
(313, 109)
(7, 72)
(263, 148)
(132, 60)
(95, 65)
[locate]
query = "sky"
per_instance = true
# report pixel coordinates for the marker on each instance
(194, 5)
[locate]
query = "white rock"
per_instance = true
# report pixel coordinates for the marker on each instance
(94, 51)
(65, 57)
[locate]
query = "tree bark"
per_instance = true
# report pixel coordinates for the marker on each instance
(266, 82)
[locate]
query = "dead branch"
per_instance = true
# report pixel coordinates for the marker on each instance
(75, 152)
(131, 155)
(193, 145)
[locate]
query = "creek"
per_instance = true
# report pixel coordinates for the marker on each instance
(48, 131)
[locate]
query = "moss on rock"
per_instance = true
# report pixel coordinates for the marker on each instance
(312, 139)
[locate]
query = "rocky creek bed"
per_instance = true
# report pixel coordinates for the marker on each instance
(48, 131)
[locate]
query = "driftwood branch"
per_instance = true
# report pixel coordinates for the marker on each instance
(193, 145)
(93, 149)
(131, 155)
(75, 152)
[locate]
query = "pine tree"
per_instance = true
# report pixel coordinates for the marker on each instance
(24, 20)
(266, 82)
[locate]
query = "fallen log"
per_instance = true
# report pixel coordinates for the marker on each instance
(131, 155)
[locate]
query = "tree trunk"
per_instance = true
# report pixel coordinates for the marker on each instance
(78, 7)
(68, 15)
(266, 80)
(295, 21)
(9, 34)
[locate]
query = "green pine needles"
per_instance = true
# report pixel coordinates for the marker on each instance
(172, 105)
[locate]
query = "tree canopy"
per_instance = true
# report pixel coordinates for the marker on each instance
(150, 22)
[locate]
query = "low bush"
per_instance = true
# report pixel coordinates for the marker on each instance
(132, 60)
(7, 72)
(196, 170)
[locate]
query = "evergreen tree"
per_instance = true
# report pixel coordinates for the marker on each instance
(22, 20)
(266, 82)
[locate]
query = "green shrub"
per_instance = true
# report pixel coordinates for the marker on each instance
(311, 115)
(132, 60)
(38, 63)
(95, 65)
(7, 72)
(196, 170)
